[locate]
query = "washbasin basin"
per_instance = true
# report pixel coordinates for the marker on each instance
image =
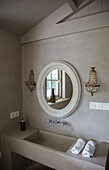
(51, 140)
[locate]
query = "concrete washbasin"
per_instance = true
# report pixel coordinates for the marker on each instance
(51, 140)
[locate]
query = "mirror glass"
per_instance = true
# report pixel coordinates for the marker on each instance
(58, 89)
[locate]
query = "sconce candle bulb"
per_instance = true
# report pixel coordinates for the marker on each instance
(31, 83)
(92, 85)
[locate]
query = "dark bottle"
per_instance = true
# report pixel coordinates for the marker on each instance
(22, 125)
(52, 97)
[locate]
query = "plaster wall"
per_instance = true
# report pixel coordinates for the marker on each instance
(10, 80)
(83, 42)
(82, 50)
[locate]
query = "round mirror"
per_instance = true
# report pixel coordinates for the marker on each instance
(58, 89)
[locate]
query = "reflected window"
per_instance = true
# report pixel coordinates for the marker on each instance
(55, 79)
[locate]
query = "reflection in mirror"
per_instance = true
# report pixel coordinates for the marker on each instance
(58, 89)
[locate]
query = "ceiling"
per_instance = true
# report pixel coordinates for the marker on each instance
(19, 16)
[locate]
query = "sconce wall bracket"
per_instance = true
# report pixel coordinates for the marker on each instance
(92, 85)
(31, 84)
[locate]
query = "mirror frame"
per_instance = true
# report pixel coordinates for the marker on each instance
(76, 89)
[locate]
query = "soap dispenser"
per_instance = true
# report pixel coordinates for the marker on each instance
(22, 125)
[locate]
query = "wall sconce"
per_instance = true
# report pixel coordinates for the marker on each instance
(31, 83)
(92, 85)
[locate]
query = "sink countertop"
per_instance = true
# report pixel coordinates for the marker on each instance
(16, 137)
(16, 133)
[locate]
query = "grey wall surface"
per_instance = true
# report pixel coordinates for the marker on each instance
(10, 80)
(83, 50)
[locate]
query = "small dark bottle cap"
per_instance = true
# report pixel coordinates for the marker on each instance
(22, 120)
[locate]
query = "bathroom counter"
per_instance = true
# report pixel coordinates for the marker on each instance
(13, 142)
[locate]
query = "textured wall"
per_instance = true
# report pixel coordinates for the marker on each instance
(82, 50)
(10, 80)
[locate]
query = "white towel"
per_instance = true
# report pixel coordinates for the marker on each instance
(89, 149)
(78, 146)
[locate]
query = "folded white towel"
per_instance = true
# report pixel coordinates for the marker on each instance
(89, 149)
(78, 146)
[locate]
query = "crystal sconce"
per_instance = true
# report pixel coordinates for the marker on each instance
(31, 83)
(92, 85)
